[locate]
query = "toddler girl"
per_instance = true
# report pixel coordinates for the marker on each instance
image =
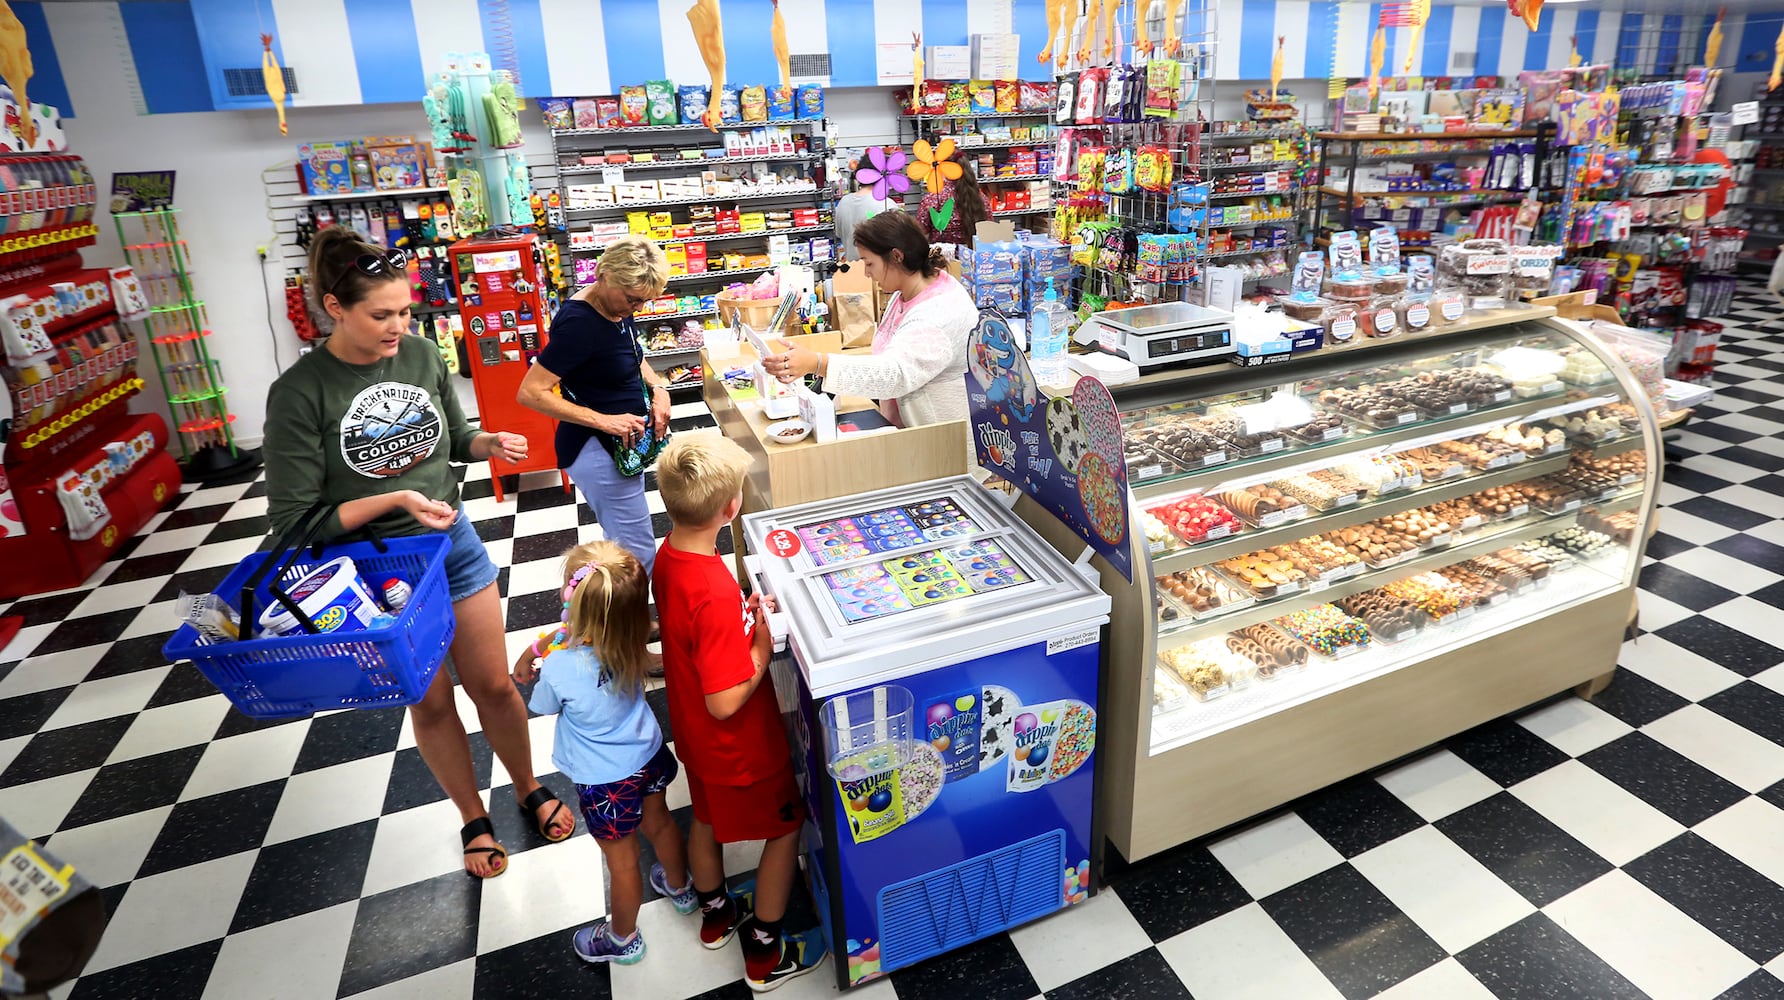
(608, 742)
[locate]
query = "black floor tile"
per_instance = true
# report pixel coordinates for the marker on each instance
(1361, 941)
(93, 630)
(411, 930)
(197, 581)
(183, 683)
(477, 490)
(1357, 815)
(1742, 653)
(1722, 432)
(258, 489)
(494, 529)
(127, 656)
(531, 611)
(1770, 483)
(1144, 976)
(134, 785)
(658, 700)
(547, 967)
(214, 826)
(149, 567)
(304, 875)
(1743, 907)
(1761, 985)
(177, 975)
(1506, 752)
(1752, 550)
(346, 736)
(1682, 588)
(45, 610)
(545, 499)
(1181, 888)
(1773, 595)
(993, 966)
(1748, 394)
(1722, 512)
(1683, 789)
(1516, 843)
(1663, 545)
(1753, 458)
(65, 751)
(192, 517)
(1753, 706)
(1536, 958)
(258, 526)
(237, 724)
(26, 714)
(412, 784)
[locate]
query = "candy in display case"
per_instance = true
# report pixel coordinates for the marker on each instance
(1460, 542)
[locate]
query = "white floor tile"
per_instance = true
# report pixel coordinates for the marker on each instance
(1752, 832)
(546, 889)
(1721, 468)
(1438, 784)
(247, 507)
(293, 959)
(488, 508)
(1691, 528)
(1676, 668)
(135, 594)
(173, 910)
(173, 540)
(331, 797)
(25, 641)
(1748, 498)
(154, 620)
(1446, 980)
(1658, 612)
(1663, 952)
(212, 495)
(412, 845)
(221, 553)
(171, 727)
(535, 577)
(1244, 955)
(244, 760)
(1772, 532)
(1451, 896)
(1776, 967)
(109, 698)
(1597, 812)
(49, 671)
(1574, 726)
(111, 852)
(1772, 678)
(1275, 854)
(538, 522)
(450, 982)
(11, 748)
(1724, 570)
(501, 552)
(676, 964)
(1755, 618)
(541, 733)
(36, 808)
(1079, 940)
(1727, 748)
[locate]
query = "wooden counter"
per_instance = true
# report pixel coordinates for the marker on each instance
(782, 475)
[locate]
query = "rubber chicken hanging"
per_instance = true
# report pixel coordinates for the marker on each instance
(1173, 27)
(1108, 28)
(709, 34)
(1142, 34)
(1418, 14)
(916, 62)
(1574, 59)
(1276, 67)
(1378, 50)
(275, 80)
(1712, 46)
(16, 70)
(1777, 76)
(783, 54)
(1055, 21)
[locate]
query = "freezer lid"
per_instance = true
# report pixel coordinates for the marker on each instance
(1042, 595)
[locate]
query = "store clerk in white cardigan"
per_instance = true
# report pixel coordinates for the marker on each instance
(918, 366)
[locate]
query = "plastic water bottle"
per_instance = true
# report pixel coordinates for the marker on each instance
(1046, 338)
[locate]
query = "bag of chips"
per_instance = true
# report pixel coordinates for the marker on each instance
(754, 103)
(780, 104)
(1006, 96)
(982, 97)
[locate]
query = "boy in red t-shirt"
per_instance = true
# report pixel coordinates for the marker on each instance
(724, 720)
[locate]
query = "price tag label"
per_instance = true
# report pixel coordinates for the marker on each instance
(782, 543)
(1456, 408)
(1589, 296)
(1220, 532)
(1517, 458)
(1467, 612)
(1273, 444)
(1439, 541)
(1149, 472)
(1549, 387)
(1347, 500)
(613, 175)
(1473, 521)
(1491, 264)
(1572, 505)
(1499, 462)
(1214, 458)
(1317, 586)
(1296, 512)
(1519, 510)
(1746, 113)
(1345, 650)
(1272, 519)
(1406, 418)
(1331, 434)
(1502, 396)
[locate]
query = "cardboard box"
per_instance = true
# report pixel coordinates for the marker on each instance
(949, 62)
(994, 57)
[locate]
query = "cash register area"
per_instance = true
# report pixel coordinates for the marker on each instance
(1628, 847)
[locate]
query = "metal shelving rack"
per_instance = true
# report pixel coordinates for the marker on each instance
(567, 145)
(178, 332)
(1348, 155)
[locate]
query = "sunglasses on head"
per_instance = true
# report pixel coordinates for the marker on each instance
(374, 265)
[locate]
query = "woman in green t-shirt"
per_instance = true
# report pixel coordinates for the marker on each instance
(369, 422)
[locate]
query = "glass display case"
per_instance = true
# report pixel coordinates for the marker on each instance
(1344, 559)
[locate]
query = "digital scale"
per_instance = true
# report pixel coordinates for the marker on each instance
(1166, 333)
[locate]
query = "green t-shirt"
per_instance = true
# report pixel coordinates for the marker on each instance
(337, 432)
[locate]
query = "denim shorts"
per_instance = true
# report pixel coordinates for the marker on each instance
(468, 566)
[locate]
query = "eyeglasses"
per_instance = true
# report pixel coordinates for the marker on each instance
(373, 265)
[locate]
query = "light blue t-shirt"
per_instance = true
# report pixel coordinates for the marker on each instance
(604, 733)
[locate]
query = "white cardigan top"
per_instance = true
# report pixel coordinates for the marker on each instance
(923, 366)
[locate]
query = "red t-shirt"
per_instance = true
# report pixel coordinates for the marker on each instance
(706, 649)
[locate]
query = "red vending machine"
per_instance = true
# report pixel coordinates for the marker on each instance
(506, 303)
(79, 473)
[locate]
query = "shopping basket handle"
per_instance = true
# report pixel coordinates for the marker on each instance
(285, 552)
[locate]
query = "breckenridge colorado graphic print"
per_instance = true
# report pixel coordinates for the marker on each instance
(389, 428)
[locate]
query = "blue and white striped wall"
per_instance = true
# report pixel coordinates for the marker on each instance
(348, 52)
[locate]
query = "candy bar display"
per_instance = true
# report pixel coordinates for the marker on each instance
(1435, 464)
(1268, 650)
(1482, 452)
(1389, 618)
(1497, 503)
(1625, 468)
(1486, 589)
(1530, 440)
(1178, 444)
(1262, 505)
(1436, 596)
(1383, 474)
(1322, 428)
(1202, 592)
(1582, 542)
(1231, 429)
(1270, 572)
(1620, 526)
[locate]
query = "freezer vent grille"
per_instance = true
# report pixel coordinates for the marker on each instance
(952, 906)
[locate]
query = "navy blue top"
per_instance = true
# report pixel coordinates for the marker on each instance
(596, 361)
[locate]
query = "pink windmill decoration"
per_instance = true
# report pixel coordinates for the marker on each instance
(885, 172)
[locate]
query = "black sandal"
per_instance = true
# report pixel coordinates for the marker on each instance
(530, 807)
(477, 828)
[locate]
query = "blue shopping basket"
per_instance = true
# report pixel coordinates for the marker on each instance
(295, 675)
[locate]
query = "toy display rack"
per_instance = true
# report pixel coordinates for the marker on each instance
(178, 333)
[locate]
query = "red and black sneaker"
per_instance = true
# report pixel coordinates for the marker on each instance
(719, 920)
(770, 960)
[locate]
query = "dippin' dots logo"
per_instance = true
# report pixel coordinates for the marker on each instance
(1000, 447)
(160, 492)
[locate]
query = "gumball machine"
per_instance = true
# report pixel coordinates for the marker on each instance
(938, 675)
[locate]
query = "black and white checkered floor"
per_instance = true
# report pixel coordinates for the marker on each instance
(1629, 846)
